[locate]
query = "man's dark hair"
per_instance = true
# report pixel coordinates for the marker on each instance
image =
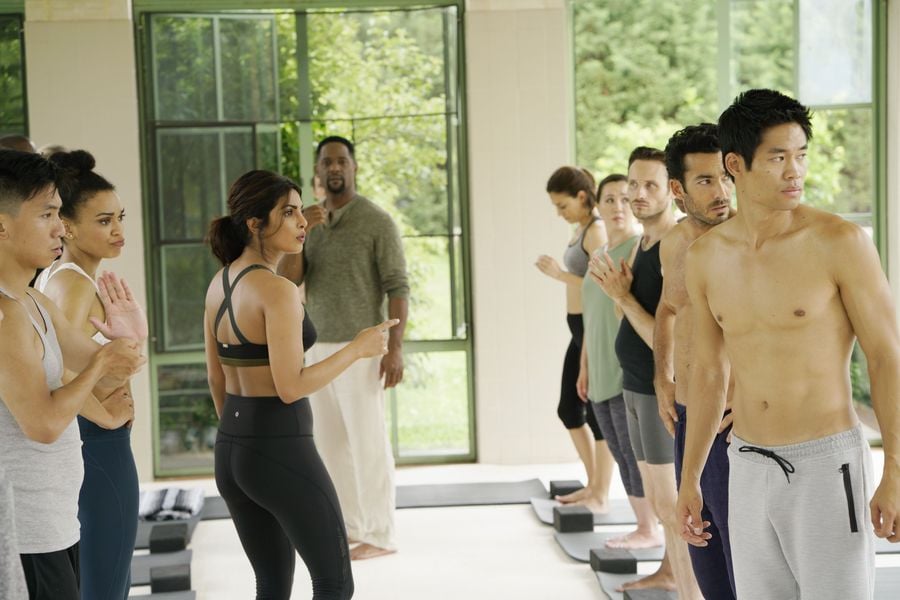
(23, 175)
(332, 139)
(742, 124)
(702, 138)
(646, 153)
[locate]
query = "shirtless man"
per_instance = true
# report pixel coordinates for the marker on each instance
(702, 189)
(40, 447)
(782, 290)
(636, 291)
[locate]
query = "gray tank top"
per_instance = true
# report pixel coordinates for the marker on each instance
(45, 478)
(575, 257)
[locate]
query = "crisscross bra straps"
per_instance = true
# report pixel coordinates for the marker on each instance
(245, 354)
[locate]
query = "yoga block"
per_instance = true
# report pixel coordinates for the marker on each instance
(649, 594)
(168, 537)
(175, 578)
(561, 488)
(570, 519)
(613, 560)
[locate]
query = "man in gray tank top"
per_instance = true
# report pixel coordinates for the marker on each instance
(40, 447)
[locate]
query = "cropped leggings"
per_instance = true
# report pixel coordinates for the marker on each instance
(108, 512)
(571, 410)
(281, 497)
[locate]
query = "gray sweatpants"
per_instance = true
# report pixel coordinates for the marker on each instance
(809, 537)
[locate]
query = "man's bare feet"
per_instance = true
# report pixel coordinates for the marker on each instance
(658, 581)
(364, 551)
(636, 539)
(574, 496)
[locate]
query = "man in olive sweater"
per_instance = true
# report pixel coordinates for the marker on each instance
(353, 259)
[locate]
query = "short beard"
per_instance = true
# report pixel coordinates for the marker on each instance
(336, 189)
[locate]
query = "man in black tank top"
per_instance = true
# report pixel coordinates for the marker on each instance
(636, 291)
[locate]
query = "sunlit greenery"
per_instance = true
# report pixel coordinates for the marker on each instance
(12, 81)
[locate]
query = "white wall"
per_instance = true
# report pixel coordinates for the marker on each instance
(519, 106)
(82, 93)
(893, 150)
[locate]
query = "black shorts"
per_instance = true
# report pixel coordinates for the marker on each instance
(52, 575)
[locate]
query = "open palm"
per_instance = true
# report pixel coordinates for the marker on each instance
(124, 316)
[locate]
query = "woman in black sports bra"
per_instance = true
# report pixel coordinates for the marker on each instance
(267, 467)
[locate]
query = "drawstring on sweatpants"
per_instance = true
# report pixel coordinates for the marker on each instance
(785, 464)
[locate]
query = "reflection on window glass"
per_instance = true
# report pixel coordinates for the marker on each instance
(835, 52)
(249, 83)
(184, 68)
(187, 419)
(432, 411)
(12, 82)
(187, 271)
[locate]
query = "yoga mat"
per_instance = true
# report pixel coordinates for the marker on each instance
(188, 595)
(620, 512)
(214, 508)
(579, 545)
(142, 541)
(887, 583)
(142, 563)
(469, 494)
(610, 581)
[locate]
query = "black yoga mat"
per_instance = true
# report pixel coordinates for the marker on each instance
(469, 494)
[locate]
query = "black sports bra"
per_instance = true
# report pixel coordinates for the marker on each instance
(248, 354)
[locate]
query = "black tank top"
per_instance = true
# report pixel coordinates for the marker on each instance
(634, 355)
(248, 354)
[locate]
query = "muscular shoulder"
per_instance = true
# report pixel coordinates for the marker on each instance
(16, 328)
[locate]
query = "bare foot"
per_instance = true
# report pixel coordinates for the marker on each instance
(574, 496)
(364, 551)
(657, 581)
(592, 502)
(635, 540)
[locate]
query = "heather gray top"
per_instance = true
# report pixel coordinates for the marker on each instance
(45, 478)
(351, 263)
(12, 581)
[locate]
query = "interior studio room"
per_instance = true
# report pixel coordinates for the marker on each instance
(416, 298)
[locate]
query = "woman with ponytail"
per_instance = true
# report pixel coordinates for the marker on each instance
(256, 331)
(108, 503)
(572, 193)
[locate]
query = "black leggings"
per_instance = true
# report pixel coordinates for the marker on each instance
(571, 410)
(281, 497)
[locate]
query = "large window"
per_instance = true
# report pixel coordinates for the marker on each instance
(644, 69)
(13, 111)
(228, 92)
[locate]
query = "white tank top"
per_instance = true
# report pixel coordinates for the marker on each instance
(47, 274)
(45, 478)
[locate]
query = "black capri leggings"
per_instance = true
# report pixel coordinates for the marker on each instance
(281, 497)
(571, 410)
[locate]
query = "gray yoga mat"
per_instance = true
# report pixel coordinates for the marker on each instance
(214, 508)
(142, 541)
(620, 512)
(579, 545)
(189, 595)
(142, 563)
(469, 494)
(610, 581)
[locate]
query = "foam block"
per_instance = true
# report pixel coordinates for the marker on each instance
(169, 537)
(563, 487)
(173, 578)
(571, 519)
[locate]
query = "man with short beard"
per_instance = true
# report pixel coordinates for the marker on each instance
(702, 189)
(352, 259)
(636, 291)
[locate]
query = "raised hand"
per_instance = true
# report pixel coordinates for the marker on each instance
(124, 316)
(614, 280)
(373, 341)
(120, 359)
(548, 266)
(315, 214)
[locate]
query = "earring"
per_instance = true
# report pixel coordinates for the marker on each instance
(69, 235)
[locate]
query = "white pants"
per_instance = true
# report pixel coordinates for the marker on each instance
(350, 434)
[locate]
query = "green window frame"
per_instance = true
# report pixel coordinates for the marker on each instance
(172, 377)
